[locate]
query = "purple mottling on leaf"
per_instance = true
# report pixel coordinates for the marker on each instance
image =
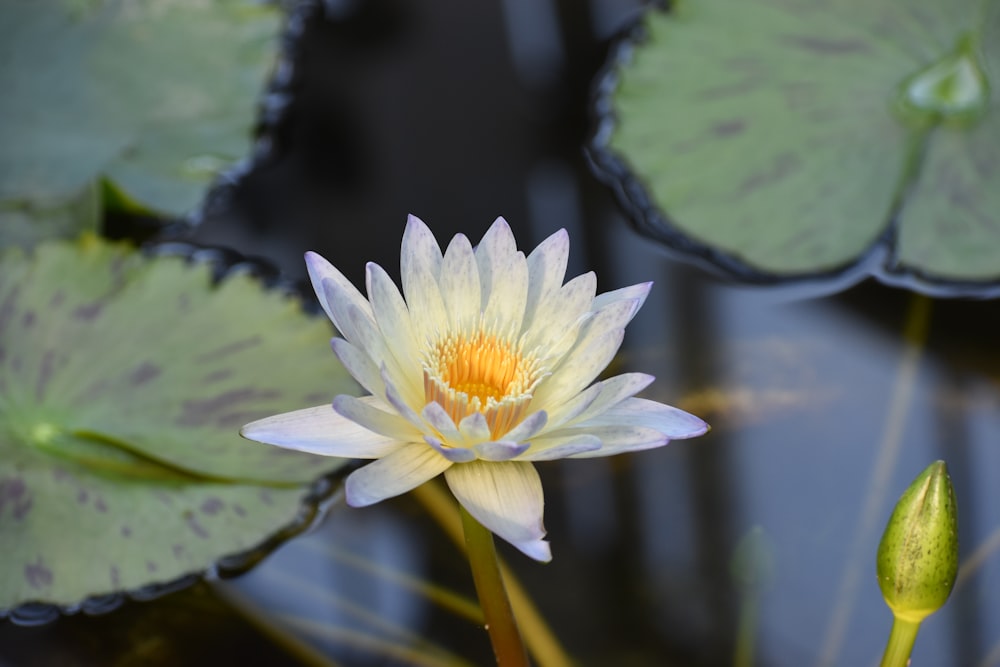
(178, 550)
(728, 128)
(8, 306)
(45, 373)
(29, 318)
(205, 411)
(116, 580)
(317, 398)
(82, 496)
(95, 389)
(61, 474)
(22, 508)
(143, 373)
(238, 509)
(164, 498)
(265, 497)
(195, 527)
(99, 505)
(151, 566)
(126, 531)
(216, 376)
(37, 574)
(781, 166)
(212, 506)
(14, 494)
(88, 311)
(57, 299)
(825, 46)
(230, 348)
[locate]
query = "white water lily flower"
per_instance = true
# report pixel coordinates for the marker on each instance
(483, 365)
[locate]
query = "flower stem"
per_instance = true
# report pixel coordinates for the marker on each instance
(500, 623)
(900, 645)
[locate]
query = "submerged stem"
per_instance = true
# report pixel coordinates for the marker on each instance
(900, 644)
(500, 622)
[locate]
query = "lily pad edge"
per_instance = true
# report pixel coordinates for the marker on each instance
(613, 170)
(318, 497)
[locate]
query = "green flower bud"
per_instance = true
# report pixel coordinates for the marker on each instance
(918, 554)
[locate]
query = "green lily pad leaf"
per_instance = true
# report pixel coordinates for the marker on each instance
(788, 140)
(27, 223)
(124, 379)
(156, 96)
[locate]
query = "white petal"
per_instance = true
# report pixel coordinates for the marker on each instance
(406, 468)
(419, 250)
(505, 497)
(453, 454)
(621, 439)
(320, 430)
(548, 449)
(474, 428)
(441, 421)
(638, 292)
(567, 411)
(597, 398)
(459, 283)
(578, 369)
(362, 411)
(618, 388)
(508, 294)
(391, 316)
(546, 270)
(396, 400)
(561, 313)
(668, 420)
(613, 316)
(359, 365)
(612, 391)
(528, 427)
(428, 314)
(347, 313)
(366, 335)
(319, 270)
(497, 243)
(500, 450)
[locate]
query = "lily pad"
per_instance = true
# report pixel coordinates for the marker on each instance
(29, 222)
(785, 139)
(124, 380)
(156, 96)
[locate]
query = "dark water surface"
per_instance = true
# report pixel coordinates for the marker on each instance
(822, 409)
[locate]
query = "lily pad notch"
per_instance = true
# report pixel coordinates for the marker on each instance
(776, 142)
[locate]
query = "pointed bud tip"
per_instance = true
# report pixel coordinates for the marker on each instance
(918, 556)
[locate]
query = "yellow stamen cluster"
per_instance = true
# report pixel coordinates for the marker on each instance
(478, 371)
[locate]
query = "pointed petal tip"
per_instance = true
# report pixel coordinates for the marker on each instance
(413, 223)
(540, 550)
(316, 264)
(356, 497)
(453, 454)
(500, 450)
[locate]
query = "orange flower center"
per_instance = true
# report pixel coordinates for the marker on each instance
(483, 373)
